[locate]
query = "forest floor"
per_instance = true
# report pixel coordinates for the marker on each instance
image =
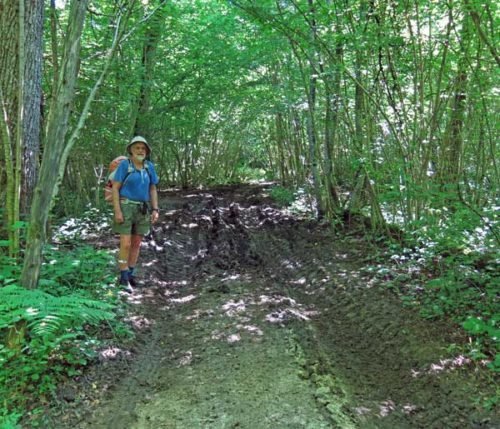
(252, 318)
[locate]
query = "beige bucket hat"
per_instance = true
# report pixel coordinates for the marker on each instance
(139, 139)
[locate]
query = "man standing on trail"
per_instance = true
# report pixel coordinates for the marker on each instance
(135, 206)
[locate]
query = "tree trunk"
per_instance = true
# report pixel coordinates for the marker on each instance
(57, 127)
(9, 103)
(32, 100)
(452, 143)
(20, 94)
(311, 122)
(153, 32)
(359, 195)
(332, 95)
(311, 137)
(280, 145)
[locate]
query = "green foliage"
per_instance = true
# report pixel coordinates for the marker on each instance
(56, 342)
(246, 174)
(68, 202)
(454, 229)
(283, 196)
(9, 270)
(83, 268)
(9, 421)
(486, 331)
(452, 272)
(63, 320)
(48, 316)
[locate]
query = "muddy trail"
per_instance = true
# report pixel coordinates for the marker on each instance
(252, 318)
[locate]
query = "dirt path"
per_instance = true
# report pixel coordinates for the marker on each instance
(254, 319)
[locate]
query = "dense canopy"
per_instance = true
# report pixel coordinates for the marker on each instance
(376, 109)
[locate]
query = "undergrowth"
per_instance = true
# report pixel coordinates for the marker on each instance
(50, 334)
(448, 268)
(283, 196)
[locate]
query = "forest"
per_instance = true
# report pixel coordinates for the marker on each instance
(363, 128)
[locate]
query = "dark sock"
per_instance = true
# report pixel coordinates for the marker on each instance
(131, 271)
(124, 275)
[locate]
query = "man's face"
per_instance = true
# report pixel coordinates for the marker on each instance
(139, 151)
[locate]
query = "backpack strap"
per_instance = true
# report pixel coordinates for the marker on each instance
(131, 169)
(147, 165)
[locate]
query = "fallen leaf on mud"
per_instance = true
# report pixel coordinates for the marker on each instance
(183, 300)
(386, 408)
(410, 409)
(186, 359)
(231, 307)
(234, 338)
(252, 329)
(362, 410)
(112, 353)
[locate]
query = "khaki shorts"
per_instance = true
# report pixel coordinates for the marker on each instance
(135, 223)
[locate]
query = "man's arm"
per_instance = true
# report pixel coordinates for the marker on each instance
(154, 203)
(115, 190)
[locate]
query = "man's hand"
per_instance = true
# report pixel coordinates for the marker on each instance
(119, 217)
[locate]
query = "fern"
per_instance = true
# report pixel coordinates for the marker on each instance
(45, 314)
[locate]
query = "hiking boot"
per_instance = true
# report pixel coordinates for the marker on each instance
(126, 286)
(133, 281)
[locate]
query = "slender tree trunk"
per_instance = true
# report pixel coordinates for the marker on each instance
(358, 197)
(280, 144)
(365, 191)
(118, 34)
(298, 145)
(311, 120)
(9, 102)
(153, 32)
(19, 133)
(332, 94)
(20, 93)
(311, 137)
(452, 143)
(331, 204)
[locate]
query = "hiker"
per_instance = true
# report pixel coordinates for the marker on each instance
(135, 206)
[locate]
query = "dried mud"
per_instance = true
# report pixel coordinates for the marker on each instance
(251, 318)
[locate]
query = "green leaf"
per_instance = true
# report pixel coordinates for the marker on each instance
(435, 283)
(475, 325)
(495, 364)
(18, 225)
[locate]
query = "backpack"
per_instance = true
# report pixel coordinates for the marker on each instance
(113, 165)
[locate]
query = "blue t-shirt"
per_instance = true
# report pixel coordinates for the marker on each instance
(136, 186)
